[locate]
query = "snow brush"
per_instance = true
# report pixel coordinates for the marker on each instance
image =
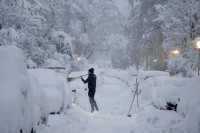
(69, 79)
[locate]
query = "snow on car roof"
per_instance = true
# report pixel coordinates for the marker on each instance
(56, 67)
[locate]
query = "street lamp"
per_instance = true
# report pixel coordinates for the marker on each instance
(173, 53)
(78, 58)
(198, 47)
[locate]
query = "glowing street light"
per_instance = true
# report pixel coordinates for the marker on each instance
(78, 58)
(198, 47)
(175, 52)
(155, 60)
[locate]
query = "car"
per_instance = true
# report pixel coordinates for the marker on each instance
(55, 87)
(58, 69)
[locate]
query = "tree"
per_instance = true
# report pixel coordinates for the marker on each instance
(145, 35)
(180, 24)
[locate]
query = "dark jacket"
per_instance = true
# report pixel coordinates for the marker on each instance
(91, 80)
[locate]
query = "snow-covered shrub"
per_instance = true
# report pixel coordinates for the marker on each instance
(16, 103)
(54, 89)
(178, 64)
(40, 100)
(8, 36)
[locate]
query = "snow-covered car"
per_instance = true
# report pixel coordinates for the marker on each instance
(54, 88)
(68, 98)
(16, 103)
(167, 91)
(41, 105)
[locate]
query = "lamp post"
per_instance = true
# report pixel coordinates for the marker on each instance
(198, 47)
(154, 66)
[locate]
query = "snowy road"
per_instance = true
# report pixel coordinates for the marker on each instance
(113, 98)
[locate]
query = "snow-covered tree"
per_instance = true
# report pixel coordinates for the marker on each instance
(145, 35)
(180, 24)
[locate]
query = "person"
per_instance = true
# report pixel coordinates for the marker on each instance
(91, 80)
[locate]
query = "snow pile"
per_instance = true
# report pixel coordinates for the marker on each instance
(40, 100)
(54, 88)
(16, 103)
(190, 105)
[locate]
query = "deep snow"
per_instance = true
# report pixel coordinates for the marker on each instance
(113, 97)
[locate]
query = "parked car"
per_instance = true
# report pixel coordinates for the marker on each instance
(54, 88)
(58, 69)
(41, 105)
(16, 102)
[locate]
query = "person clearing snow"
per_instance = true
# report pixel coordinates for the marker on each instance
(91, 80)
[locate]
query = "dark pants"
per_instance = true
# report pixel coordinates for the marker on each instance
(93, 103)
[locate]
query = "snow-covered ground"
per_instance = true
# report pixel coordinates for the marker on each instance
(113, 96)
(27, 98)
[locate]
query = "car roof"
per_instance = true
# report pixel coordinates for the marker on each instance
(55, 67)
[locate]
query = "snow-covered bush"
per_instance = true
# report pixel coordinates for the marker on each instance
(178, 64)
(40, 100)
(16, 103)
(8, 36)
(54, 88)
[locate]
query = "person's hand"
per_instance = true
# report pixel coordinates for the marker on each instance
(81, 76)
